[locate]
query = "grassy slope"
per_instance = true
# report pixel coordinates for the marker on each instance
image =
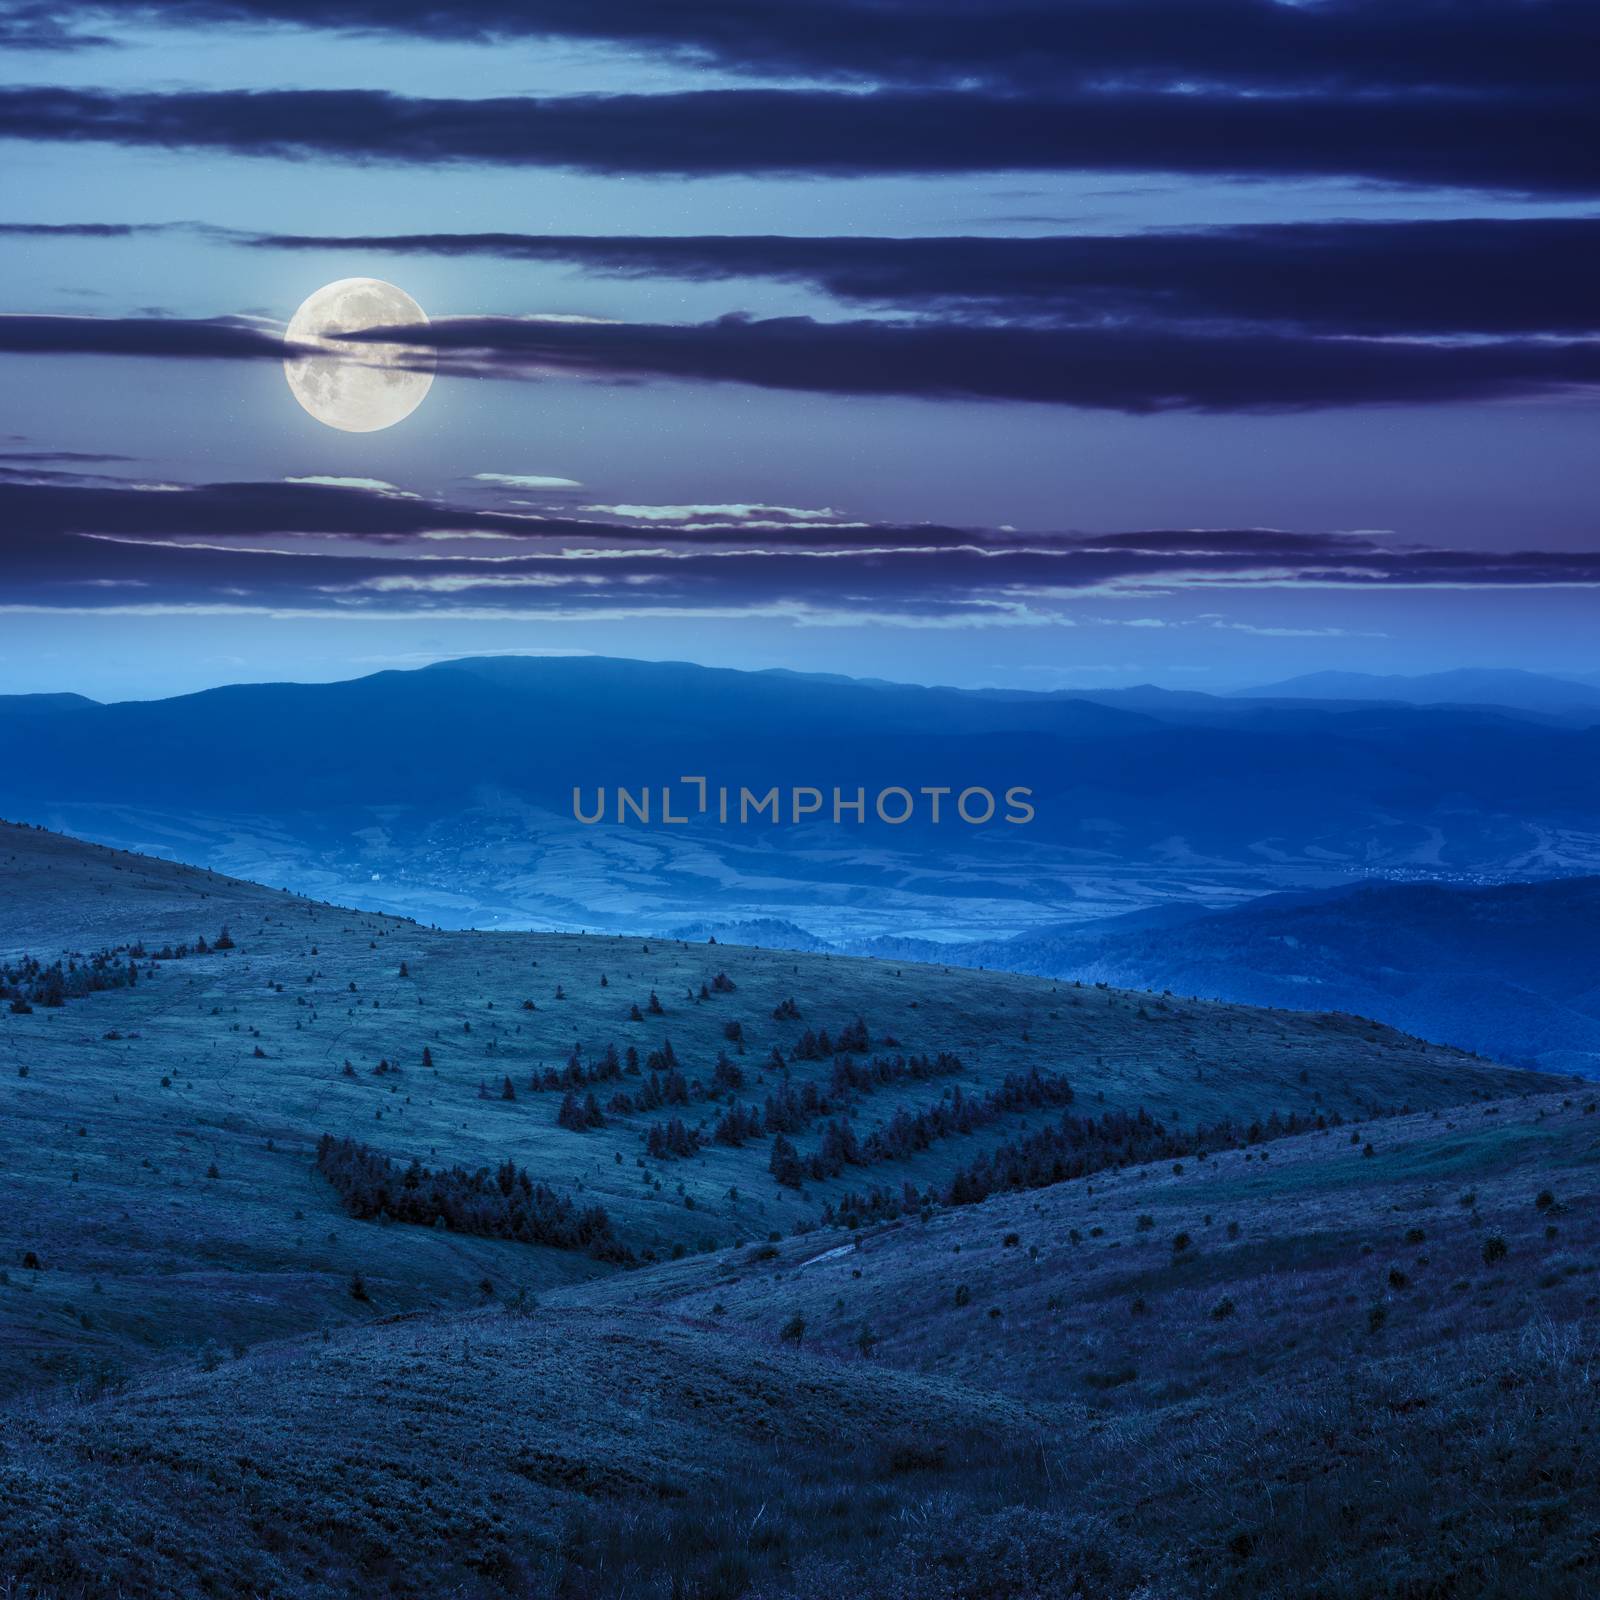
(408, 1450)
(1317, 1227)
(108, 1140)
(61, 894)
(638, 1430)
(628, 1439)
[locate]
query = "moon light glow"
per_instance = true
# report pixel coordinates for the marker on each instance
(356, 385)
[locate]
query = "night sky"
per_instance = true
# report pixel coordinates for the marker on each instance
(1082, 343)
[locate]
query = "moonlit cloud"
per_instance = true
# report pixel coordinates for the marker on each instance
(523, 480)
(1141, 370)
(873, 414)
(351, 550)
(378, 485)
(772, 515)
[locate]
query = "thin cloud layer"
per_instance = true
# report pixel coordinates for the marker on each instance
(176, 337)
(1122, 369)
(349, 551)
(1130, 369)
(1516, 141)
(1473, 275)
(1255, 44)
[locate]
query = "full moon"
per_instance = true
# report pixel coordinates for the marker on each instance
(357, 385)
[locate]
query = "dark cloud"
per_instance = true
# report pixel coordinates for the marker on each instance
(1522, 275)
(216, 338)
(1467, 275)
(1132, 369)
(1407, 44)
(79, 230)
(71, 546)
(56, 458)
(31, 26)
(293, 508)
(1513, 141)
(1125, 369)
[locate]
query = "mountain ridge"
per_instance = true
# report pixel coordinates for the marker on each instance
(447, 793)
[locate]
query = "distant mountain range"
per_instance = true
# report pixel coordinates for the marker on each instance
(1511, 971)
(1506, 687)
(447, 793)
(1167, 824)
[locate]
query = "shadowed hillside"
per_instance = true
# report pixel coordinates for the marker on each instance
(160, 1134)
(1334, 1373)
(366, 1228)
(1509, 970)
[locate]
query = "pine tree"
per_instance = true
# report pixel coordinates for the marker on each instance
(785, 1163)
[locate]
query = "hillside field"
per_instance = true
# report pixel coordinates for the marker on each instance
(1281, 1364)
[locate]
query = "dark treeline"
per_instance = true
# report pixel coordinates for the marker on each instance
(1074, 1147)
(907, 1132)
(853, 1037)
(792, 1110)
(576, 1075)
(504, 1203)
(849, 1075)
(673, 1138)
(663, 1081)
(27, 982)
(727, 1075)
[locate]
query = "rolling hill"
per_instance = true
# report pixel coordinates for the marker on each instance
(159, 1136)
(233, 1373)
(1507, 970)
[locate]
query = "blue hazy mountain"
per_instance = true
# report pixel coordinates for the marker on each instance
(1511, 971)
(1507, 687)
(27, 705)
(446, 793)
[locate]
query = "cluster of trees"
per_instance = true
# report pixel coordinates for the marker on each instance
(675, 1138)
(737, 1124)
(1074, 1147)
(906, 1132)
(28, 982)
(863, 1077)
(665, 1084)
(793, 1111)
(504, 1203)
(575, 1075)
(853, 1037)
(672, 1138)
(580, 1115)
